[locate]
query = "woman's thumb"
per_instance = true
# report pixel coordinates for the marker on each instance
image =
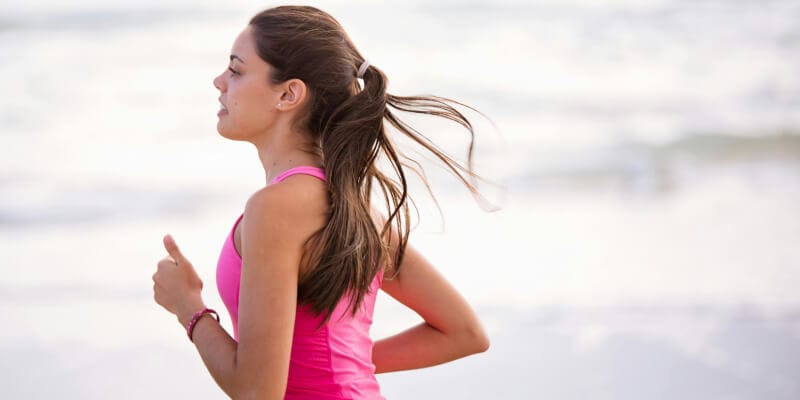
(173, 250)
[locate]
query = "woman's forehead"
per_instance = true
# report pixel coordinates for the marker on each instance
(244, 47)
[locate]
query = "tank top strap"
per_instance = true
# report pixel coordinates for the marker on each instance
(303, 169)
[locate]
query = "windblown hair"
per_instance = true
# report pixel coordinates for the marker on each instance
(347, 122)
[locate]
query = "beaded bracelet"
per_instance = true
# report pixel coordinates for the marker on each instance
(196, 317)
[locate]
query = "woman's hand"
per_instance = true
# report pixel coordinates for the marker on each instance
(176, 285)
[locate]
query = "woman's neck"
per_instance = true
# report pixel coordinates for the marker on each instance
(285, 152)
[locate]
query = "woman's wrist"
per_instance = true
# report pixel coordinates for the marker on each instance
(196, 318)
(187, 312)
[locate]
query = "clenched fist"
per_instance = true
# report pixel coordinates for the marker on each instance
(176, 285)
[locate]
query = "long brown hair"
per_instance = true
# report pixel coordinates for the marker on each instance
(347, 122)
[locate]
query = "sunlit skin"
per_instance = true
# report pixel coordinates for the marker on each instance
(259, 112)
(277, 220)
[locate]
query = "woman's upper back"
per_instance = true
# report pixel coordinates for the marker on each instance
(328, 361)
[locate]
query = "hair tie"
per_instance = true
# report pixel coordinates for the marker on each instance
(363, 68)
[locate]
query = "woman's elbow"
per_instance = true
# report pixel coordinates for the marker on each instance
(260, 391)
(475, 340)
(482, 342)
(258, 395)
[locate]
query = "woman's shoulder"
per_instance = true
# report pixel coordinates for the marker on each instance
(299, 198)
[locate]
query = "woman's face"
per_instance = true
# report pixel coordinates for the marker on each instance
(248, 98)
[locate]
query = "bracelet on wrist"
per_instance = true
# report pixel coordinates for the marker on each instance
(196, 317)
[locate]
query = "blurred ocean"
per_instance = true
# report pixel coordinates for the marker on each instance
(648, 245)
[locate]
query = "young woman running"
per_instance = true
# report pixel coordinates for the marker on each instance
(302, 265)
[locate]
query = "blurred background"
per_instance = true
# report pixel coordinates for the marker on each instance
(646, 156)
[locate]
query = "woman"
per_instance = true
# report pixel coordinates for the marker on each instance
(300, 269)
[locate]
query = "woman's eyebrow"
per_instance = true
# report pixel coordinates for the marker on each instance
(234, 56)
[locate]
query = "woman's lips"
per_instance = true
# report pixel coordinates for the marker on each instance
(222, 109)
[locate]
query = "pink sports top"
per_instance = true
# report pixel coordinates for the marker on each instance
(333, 362)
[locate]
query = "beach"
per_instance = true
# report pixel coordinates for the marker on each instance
(644, 157)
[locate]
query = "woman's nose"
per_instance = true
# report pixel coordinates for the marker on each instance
(218, 82)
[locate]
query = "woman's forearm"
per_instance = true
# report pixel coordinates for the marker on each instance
(424, 346)
(218, 351)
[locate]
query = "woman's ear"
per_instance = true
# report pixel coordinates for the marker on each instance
(294, 94)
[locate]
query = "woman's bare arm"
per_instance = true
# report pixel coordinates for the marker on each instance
(276, 223)
(450, 330)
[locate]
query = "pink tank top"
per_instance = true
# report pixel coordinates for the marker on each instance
(333, 362)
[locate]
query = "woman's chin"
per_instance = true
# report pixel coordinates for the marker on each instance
(222, 131)
(227, 133)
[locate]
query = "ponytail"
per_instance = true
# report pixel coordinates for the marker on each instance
(347, 122)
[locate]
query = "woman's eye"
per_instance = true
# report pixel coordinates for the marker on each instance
(232, 71)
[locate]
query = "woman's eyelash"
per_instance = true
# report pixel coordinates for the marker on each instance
(232, 71)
